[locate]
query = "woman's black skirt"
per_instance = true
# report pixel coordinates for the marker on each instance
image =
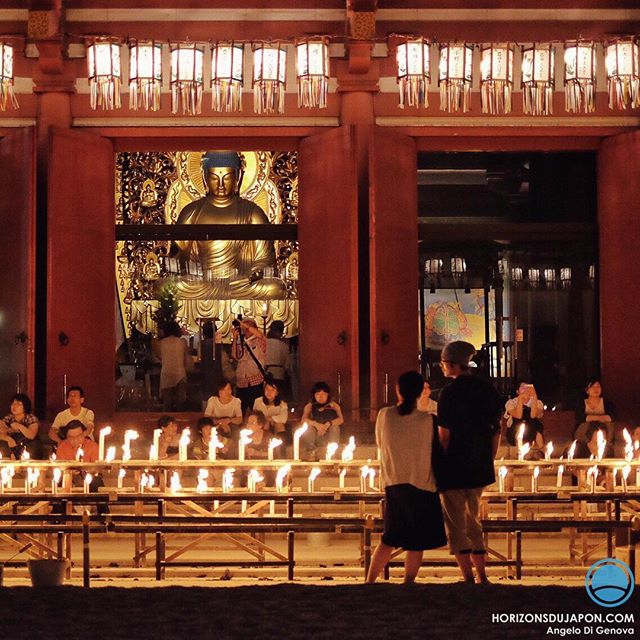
(412, 518)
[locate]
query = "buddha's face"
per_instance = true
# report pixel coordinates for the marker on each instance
(221, 182)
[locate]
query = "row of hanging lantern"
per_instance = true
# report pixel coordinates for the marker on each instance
(186, 80)
(546, 277)
(455, 75)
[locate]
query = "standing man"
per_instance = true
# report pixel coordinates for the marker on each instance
(249, 350)
(278, 357)
(469, 431)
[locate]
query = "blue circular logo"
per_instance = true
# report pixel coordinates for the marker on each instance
(609, 582)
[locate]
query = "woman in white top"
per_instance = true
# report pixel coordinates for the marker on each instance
(413, 515)
(225, 409)
(273, 407)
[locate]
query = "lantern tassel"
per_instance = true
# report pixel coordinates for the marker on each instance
(226, 95)
(7, 96)
(414, 91)
(624, 92)
(268, 96)
(189, 94)
(496, 96)
(538, 98)
(580, 95)
(455, 95)
(144, 91)
(312, 92)
(105, 93)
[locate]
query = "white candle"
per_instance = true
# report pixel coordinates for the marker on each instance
(315, 472)
(559, 477)
(519, 440)
(183, 444)
(638, 476)
(202, 486)
(296, 440)
(129, 435)
(372, 479)
(283, 472)
(272, 507)
(364, 473)
(153, 453)
(121, 475)
(592, 474)
(25, 455)
(349, 449)
(245, 439)
(144, 481)
(253, 478)
(502, 474)
(79, 454)
(151, 482)
(227, 480)
(523, 450)
(534, 480)
(332, 447)
(548, 451)
(87, 482)
(572, 450)
(273, 443)
(57, 474)
(156, 442)
(628, 446)
(343, 473)
(174, 484)
(104, 432)
(111, 454)
(601, 444)
(626, 470)
(214, 445)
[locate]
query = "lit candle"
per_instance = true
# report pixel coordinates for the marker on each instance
(296, 440)
(104, 432)
(25, 455)
(572, 450)
(637, 475)
(601, 444)
(548, 451)
(523, 450)
(227, 480)
(559, 477)
(332, 447)
(151, 481)
(273, 443)
(202, 486)
(55, 481)
(214, 445)
(183, 444)
(245, 439)
(534, 480)
(156, 442)
(283, 472)
(372, 479)
(253, 478)
(520, 440)
(144, 481)
(153, 453)
(364, 473)
(87, 482)
(10, 472)
(626, 470)
(121, 475)
(349, 449)
(4, 479)
(502, 474)
(129, 435)
(628, 446)
(315, 472)
(343, 473)
(174, 484)
(592, 475)
(111, 454)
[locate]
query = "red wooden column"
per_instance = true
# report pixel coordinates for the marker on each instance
(17, 262)
(81, 272)
(393, 260)
(619, 273)
(328, 285)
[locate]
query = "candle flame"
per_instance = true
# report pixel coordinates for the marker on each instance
(111, 454)
(364, 471)
(79, 454)
(122, 473)
(348, 450)
(175, 484)
(25, 455)
(626, 436)
(274, 442)
(281, 475)
(105, 431)
(536, 472)
(332, 447)
(572, 450)
(52, 457)
(549, 450)
(315, 472)
(227, 478)
(503, 471)
(245, 436)
(152, 481)
(626, 470)
(87, 479)
(561, 469)
(602, 443)
(57, 475)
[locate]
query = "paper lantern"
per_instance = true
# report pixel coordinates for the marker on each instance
(580, 76)
(455, 76)
(496, 77)
(145, 74)
(312, 72)
(187, 77)
(269, 77)
(622, 60)
(227, 76)
(538, 78)
(104, 72)
(7, 95)
(412, 60)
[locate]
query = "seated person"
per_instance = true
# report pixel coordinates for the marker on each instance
(76, 411)
(594, 409)
(273, 407)
(425, 402)
(323, 417)
(525, 409)
(74, 437)
(19, 430)
(261, 433)
(225, 410)
(200, 449)
(169, 444)
(635, 441)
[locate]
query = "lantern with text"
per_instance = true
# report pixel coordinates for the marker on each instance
(104, 72)
(145, 74)
(580, 77)
(187, 77)
(496, 77)
(269, 77)
(7, 95)
(538, 78)
(622, 59)
(227, 75)
(455, 76)
(534, 278)
(412, 59)
(312, 72)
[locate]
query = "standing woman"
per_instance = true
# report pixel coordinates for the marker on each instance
(413, 516)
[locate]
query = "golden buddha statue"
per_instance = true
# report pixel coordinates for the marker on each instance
(231, 269)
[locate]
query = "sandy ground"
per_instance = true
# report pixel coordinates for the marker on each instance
(296, 611)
